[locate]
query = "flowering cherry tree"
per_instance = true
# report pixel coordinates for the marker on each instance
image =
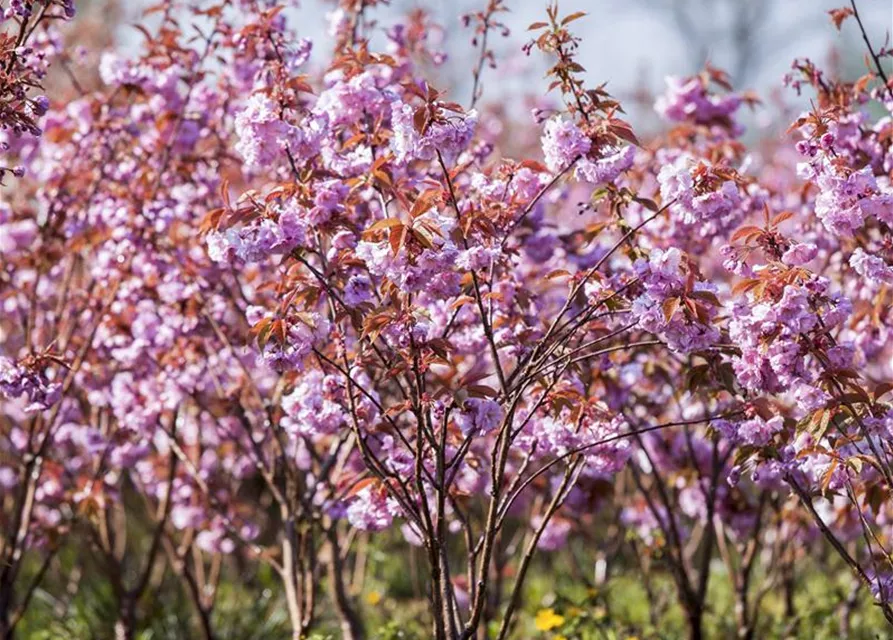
(270, 302)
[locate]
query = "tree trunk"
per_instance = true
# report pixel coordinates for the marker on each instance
(290, 580)
(742, 615)
(695, 619)
(6, 631)
(125, 626)
(351, 625)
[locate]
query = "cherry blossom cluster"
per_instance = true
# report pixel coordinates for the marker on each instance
(271, 298)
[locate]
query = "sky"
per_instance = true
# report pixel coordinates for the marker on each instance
(626, 42)
(635, 44)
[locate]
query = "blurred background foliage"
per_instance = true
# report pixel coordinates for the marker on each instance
(561, 601)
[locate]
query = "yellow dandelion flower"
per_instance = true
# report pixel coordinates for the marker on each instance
(547, 619)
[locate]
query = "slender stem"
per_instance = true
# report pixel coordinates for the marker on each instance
(877, 60)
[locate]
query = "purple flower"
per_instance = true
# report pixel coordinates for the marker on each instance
(263, 136)
(41, 105)
(450, 137)
(555, 533)
(358, 290)
(371, 509)
(687, 100)
(18, 380)
(479, 416)
(871, 267)
(799, 254)
(757, 432)
(607, 168)
(562, 142)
